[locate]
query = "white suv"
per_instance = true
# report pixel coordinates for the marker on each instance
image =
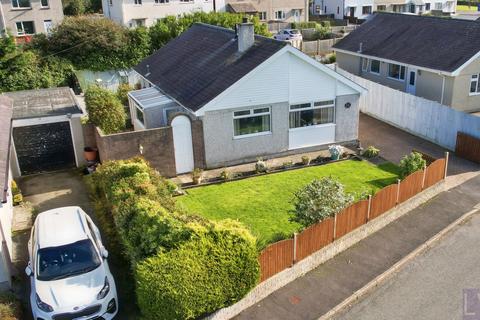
(69, 273)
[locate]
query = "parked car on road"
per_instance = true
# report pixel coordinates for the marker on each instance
(289, 35)
(68, 268)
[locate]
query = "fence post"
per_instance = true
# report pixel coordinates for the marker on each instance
(424, 176)
(369, 206)
(335, 228)
(398, 190)
(295, 247)
(446, 164)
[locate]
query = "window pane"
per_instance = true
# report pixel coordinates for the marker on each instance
(311, 117)
(478, 86)
(323, 103)
(28, 27)
(402, 73)
(19, 28)
(394, 71)
(261, 110)
(251, 125)
(140, 116)
(375, 66)
(473, 86)
(23, 3)
(241, 113)
(300, 106)
(44, 3)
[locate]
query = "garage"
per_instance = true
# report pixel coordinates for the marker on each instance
(47, 132)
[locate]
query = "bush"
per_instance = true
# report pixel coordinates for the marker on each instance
(105, 110)
(10, 308)
(411, 163)
(122, 93)
(319, 200)
(197, 175)
(371, 152)
(287, 164)
(225, 175)
(306, 160)
(260, 166)
(17, 194)
(304, 25)
(213, 270)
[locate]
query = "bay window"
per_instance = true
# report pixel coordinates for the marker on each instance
(251, 122)
(475, 84)
(396, 72)
(312, 114)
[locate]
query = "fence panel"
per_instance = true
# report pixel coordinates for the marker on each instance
(410, 186)
(351, 218)
(314, 238)
(275, 258)
(435, 173)
(468, 147)
(383, 201)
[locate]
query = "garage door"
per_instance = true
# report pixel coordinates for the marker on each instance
(44, 147)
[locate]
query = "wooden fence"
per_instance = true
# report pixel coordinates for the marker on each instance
(468, 147)
(283, 254)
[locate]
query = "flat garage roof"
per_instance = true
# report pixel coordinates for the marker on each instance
(43, 103)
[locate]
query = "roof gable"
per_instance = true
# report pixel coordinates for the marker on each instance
(430, 42)
(203, 62)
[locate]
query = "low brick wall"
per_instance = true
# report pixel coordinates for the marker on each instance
(308, 264)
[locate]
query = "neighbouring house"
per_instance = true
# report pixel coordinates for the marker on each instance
(272, 11)
(47, 131)
(134, 13)
(24, 18)
(434, 58)
(6, 197)
(362, 9)
(213, 98)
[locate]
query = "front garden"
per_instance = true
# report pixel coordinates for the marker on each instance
(264, 203)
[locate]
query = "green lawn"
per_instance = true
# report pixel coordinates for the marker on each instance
(263, 203)
(473, 7)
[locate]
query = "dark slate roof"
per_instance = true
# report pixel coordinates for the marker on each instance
(429, 42)
(203, 62)
(5, 128)
(43, 103)
(241, 7)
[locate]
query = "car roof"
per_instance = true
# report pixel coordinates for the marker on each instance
(60, 226)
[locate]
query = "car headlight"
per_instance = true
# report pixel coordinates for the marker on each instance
(42, 305)
(105, 290)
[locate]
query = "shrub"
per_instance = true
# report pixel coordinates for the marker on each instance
(261, 166)
(10, 308)
(287, 164)
(411, 163)
(306, 160)
(225, 175)
(105, 110)
(122, 93)
(197, 175)
(17, 194)
(320, 199)
(371, 152)
(304, 25)
(213, 270)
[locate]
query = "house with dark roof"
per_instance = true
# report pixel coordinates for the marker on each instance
(431, 57)
(254, 96)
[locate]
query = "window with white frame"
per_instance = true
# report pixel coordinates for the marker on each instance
(251, 121)
(381, 8)
(44, 3)
(139, 115)
(427, 6)
(279, 15)
(138, 2)
(312, 114)
(18, 4)
(438, 6)
(475, 84)
(262, 15)
(25, 28)
(366, 10)
(162, 1)
(375, 66)
(396, 71)
(364, 64)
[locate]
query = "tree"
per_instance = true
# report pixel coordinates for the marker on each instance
(320, 199)
(170, 27)
(412, 163)
(96, 44)
(104, 109)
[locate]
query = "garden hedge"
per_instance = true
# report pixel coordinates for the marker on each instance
(184, 266)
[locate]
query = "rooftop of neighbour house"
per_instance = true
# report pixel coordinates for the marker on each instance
(429, 42)
(5, 128)
(43, 103)
(203, 62)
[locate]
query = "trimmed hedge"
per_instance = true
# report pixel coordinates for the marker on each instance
(184, 265)
(105, 110)
(216, 268)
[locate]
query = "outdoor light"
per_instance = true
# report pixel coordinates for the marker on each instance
(140, 149)
(348, 105)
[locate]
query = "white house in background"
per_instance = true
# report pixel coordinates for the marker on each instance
(362, 9)
(6, 200)
(255, 97)
(133, 13)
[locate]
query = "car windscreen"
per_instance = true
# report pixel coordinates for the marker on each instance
(294, 31)
(61, 262)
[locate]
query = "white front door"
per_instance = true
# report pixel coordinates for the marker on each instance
(182, 143)
(412, 81)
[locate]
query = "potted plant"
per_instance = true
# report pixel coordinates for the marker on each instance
(197, 175)
(335, 151)
(90, 153)
(225, 175)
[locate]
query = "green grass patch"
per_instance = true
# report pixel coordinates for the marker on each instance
(263, 203)
(472, 8)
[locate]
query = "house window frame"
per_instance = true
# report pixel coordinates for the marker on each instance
(283, 15)
(161, 2)
(428, 6)
(438, 6)
(402, 67)
(370, 67)
(251, 114)
(44, 7)
(18, 7)
(475, 78)
(140, 110)
(23, 28)
(137, 2)
(312, 105)
(365, 64)
(369, 10)
(262, 15)
(381, 7)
